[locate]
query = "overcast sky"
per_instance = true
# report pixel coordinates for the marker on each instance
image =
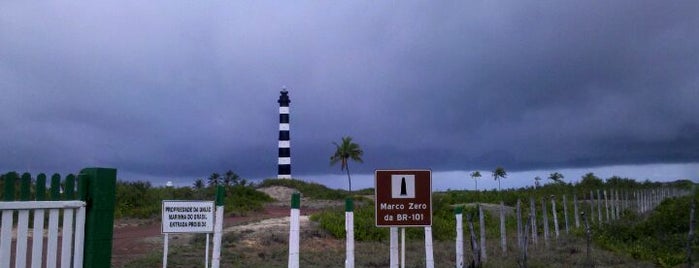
(181, 89)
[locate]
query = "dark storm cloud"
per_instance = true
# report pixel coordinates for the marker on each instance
(182, 89)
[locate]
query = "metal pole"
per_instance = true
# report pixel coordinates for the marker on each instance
(165, 241)
(393, 249)
(402, 247)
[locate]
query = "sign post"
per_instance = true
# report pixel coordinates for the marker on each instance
(404, 199)
(186, 217)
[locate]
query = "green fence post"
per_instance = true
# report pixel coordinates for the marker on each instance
(220, 195)
(40, 194)
(10, 180)
(296, 200)
(349, 204)
(82, 187)
(69, 192)
(55, 187)
(99, 221)
(25, 185)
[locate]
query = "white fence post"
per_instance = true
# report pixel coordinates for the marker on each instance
(294, 230)
(459, 237)
(555, 216)
(349, 229)
(218, 228)
(429, 256)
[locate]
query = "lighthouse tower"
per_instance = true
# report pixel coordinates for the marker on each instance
(284, 162)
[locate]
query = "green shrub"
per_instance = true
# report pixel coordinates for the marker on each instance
(661, 238)
(138, 199)
(242, 199)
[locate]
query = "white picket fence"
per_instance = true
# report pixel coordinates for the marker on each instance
(72, 237)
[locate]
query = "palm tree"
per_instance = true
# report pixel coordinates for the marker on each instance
(214, 179)
(498, 174)
(230, 178)
(536, 182)
(556, 177)
(198, 184)
(475, 175)
(345, 151)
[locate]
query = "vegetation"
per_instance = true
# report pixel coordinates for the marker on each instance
(345, 151)
(498, 174)
(556, 177)
(660, 237)
(475, 175)
(139, 199)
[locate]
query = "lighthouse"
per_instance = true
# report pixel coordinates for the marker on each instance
(284, 160)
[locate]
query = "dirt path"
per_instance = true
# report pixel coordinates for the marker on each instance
(134, 239)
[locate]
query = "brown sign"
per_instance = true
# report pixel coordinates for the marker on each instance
(403, 198)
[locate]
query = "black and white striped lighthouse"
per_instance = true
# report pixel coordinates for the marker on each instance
(284, 162)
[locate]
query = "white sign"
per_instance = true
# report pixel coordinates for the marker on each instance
(188, 217)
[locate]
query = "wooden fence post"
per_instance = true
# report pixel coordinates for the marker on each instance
(99, 218)
(588, 236)
(599, 208)
(612, 207)
(639, 203)
(575, 211)
(474, 244)
(555, 216)
(532, 215)
(503, 234)
(565, 211)
(606, 205)
(592, 207)
(524, 253)
(545, 213)
(690, 235)
(481, 223)
(519, 224)
(617, 204)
